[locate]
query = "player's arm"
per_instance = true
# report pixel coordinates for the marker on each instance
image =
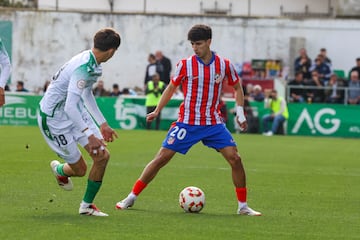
(4, 75)
(108, 133)
(239, 99)
(165, 98)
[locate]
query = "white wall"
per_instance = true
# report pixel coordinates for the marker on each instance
(43, 41)
(239, 7)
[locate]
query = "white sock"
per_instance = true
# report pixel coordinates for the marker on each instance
(242, 205)
(132, 196)
(84, 204)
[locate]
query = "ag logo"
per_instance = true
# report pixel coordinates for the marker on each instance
(315, 124)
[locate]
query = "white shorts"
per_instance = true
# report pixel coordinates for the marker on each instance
(63, 137)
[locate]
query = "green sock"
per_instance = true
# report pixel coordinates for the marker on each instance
(60, 170)
(91, 191)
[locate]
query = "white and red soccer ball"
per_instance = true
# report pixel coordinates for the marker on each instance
(192, 199)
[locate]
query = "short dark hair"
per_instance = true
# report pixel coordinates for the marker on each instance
(199, 32)
(107, 38)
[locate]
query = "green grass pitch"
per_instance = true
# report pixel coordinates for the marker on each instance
(306, 188)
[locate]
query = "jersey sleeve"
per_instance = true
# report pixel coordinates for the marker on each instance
(231, 74)
(91, 105)
(5, 66)
(180, 73)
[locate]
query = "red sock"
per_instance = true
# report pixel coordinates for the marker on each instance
(241, 194)
(138, 187)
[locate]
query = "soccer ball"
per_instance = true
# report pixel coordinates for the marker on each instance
(192, 199)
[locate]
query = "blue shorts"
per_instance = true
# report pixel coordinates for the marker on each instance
(181, 137)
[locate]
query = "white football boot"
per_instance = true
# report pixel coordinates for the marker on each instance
(63, 181)
(125, 203)
(246, 210)
(91, 210)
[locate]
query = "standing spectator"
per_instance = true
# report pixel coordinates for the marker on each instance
(69, 117)
(303, 63)
(5, 71)
(315, 93)
(354, 88)
(332, 93)
(356, 67)
(323, 53)
(115, 90)
(296, 88)
(154, 90)
(199, 118)
(151, 68)
(99, 90)
(279, 113)
(20, 87)
(166, 63)
(323, 69)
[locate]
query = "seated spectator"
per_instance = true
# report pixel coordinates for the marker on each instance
(324, 69)
(99, 90)
(296, 88)
(316, 93)
(20, 87)
(354, 88)
(257, 94)
(356, 67)
(279, 113)
(115, 91)
(303, 64)
(332, 93)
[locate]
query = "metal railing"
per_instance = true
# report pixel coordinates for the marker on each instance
(345, 96)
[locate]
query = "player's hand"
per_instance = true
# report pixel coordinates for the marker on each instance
(240, 118)
(95, 147)
(243, 125)
(108, 133)
(151, 116)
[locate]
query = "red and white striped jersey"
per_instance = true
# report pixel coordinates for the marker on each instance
(202, 86)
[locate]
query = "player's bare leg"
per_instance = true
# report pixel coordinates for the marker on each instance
(239, 180)
(150, 171)
(100, 160)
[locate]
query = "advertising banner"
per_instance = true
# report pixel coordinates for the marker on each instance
(129, 113)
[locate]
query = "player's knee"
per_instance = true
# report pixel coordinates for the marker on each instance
(235, 161)
(103, 158)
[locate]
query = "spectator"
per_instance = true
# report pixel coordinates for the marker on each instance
(296, 88)
(354, 88)
(151, 68)
(332, 93)
(323, 53)
(115, 91)
(315, 93)
(5, 71)
(323, 69)
(20, 87)
(356, 68)
(303, 64)
(99, 90)
(166, 63)
(279, 113)
(273, 68)
(154, 90)
(257, 94)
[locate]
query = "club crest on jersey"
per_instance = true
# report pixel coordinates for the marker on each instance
(81, 84)
(218, 78)
(170, 140)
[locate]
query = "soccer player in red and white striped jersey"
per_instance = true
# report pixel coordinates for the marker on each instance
(201, 77)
